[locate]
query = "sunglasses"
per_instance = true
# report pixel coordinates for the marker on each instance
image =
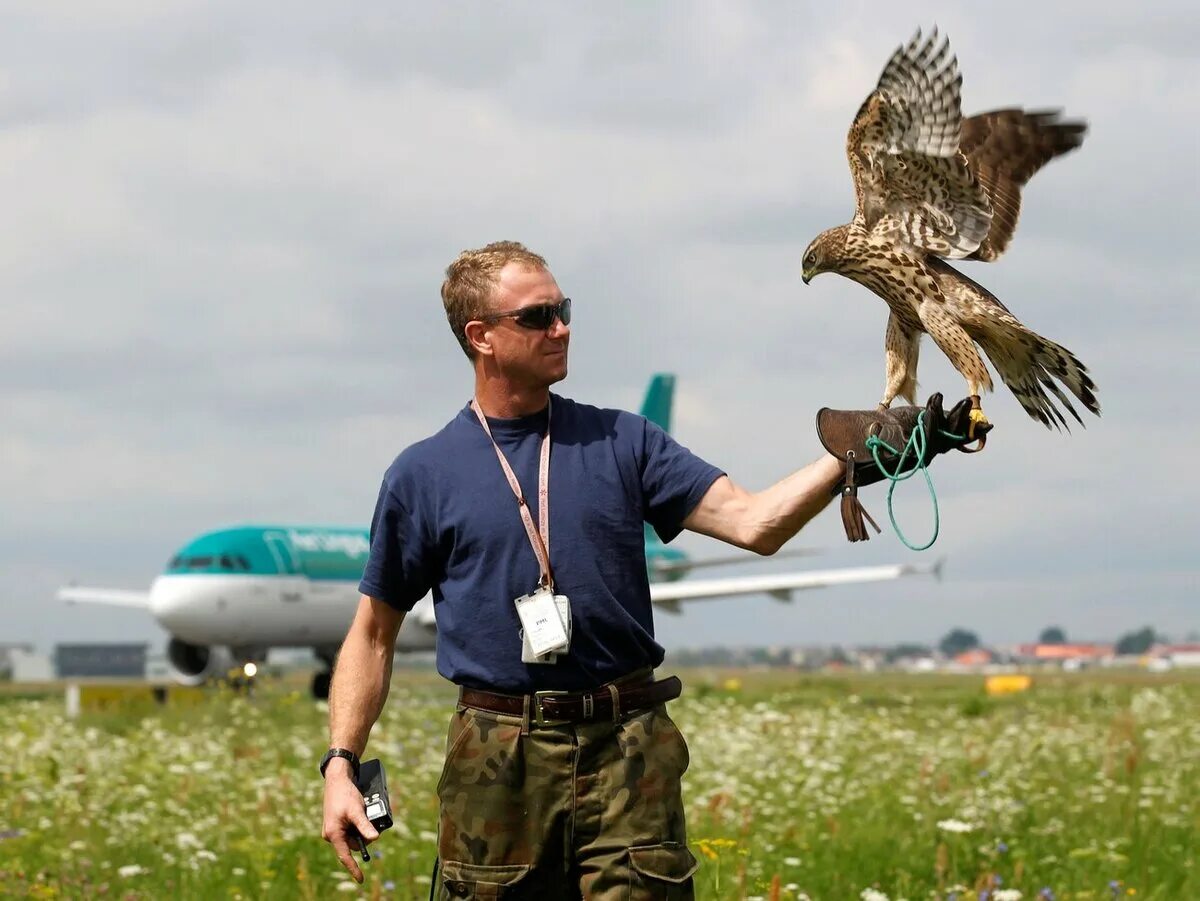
(538, 317)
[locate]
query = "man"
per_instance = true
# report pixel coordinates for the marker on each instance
(524, 516)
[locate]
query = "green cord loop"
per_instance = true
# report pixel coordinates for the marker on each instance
(916, 444)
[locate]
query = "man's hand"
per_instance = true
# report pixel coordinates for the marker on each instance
(345, 815)
(849, 430)
(858, 438)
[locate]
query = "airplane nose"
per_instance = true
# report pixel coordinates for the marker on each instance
(175, 602)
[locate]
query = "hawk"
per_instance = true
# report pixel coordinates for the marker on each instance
(932, 186)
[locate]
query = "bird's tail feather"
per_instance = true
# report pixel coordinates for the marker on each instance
(1033, 365)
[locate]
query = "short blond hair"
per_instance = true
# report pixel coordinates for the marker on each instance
(471, 278)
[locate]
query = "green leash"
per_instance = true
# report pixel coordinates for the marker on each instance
(917, 444)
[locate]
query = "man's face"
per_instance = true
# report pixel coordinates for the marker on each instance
(528, 356)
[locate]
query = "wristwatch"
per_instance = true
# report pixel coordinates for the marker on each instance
(340, 752)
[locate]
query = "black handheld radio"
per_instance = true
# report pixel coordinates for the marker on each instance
(372, 785)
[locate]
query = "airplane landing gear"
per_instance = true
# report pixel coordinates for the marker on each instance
(320, 685)
(321, 678)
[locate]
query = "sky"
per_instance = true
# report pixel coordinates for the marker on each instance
(225, 226)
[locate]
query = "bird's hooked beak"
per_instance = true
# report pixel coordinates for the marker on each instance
(809, 266)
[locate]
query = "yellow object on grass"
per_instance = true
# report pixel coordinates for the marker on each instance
(1007, 685)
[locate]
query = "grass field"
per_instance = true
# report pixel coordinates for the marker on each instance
(800, 786)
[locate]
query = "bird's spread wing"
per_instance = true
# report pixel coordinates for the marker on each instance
(912, 183)
(1004, 148)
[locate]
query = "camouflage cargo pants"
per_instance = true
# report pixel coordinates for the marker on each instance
(590, 810)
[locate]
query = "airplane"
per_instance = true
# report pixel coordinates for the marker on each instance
(230, 594)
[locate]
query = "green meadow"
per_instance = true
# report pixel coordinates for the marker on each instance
(820, 787)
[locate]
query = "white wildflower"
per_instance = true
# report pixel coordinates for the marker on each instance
(792, 861)
(133, 869)
(1006, 894)
(955, 826)
(870, 894)
(204, 854)
(77, 845)
(347, 886)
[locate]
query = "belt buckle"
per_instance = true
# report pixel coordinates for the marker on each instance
(538, 716)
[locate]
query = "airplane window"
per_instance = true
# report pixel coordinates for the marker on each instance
(243, 562)
(227, 562)
(199, 562)
(176, 563)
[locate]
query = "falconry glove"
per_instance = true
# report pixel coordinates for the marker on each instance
(846, 433)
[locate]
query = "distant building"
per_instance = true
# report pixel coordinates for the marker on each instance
(100, 660)
(1068, 656)
(1172, 655)
(916, 663)
(975, 657)
(8, 652)
(30, 666)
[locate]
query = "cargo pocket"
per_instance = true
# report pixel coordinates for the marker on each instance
(661, 872)
(468, 880)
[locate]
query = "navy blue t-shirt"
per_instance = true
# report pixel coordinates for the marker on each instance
(447, 520)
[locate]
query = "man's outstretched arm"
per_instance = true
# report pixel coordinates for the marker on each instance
(766, 520)
(356, 697)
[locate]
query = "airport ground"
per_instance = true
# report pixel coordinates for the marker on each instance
(826, 787)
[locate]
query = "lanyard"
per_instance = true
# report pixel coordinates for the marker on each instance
(539, 542)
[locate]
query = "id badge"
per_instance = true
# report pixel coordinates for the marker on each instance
(564, 612)
(541, 622)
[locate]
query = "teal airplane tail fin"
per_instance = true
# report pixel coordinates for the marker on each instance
(657, 405)
(651, 536)
(657, 408)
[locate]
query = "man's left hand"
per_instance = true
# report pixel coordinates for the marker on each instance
(842, 431)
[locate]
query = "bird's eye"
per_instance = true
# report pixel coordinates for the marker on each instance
(810, 260)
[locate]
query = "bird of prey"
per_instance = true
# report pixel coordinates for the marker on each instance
(932, 186)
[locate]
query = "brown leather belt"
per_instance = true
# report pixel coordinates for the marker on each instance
(553, 708)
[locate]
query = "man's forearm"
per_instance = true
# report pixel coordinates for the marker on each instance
(359, 689)
(776, 514)
(765, 521)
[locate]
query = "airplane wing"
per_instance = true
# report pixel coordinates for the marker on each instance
(77, 594)
(779, 585)
(663, 568)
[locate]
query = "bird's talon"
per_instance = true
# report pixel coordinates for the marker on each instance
(976, 418)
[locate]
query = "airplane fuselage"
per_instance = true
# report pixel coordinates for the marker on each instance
(280, 610)
(291, 585)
